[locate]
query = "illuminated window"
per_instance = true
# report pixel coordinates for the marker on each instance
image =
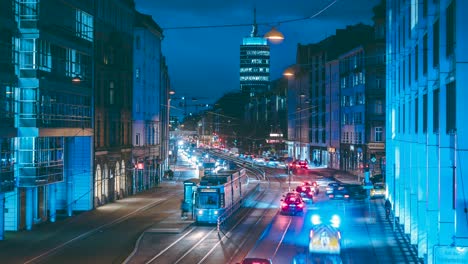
(84, 25)
(27, 53)
(378, 134)
(28, 13)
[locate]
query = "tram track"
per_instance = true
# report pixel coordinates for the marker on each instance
(199, 244)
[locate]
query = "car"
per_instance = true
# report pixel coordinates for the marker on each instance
(292, 203)
(313, 184)
(340, 192)
(331, 186)
(356, 191)
(256, 261)
(306, 192)
(299, 164)
(324, 239)
(378, 191)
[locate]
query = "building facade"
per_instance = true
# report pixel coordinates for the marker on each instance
(146, 127)
(8, 85)
(426, 149)
(113, 80)
(46, 93)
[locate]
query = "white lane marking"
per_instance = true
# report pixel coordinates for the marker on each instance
(171, 245)
(282, 238)
(118, 220)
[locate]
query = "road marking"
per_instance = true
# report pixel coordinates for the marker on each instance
(282, 238)
(116, 221)
(171, 245)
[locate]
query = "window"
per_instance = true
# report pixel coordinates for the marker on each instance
(84, 25)
(436, 46)
(425, 53)
(378, 107)
(436, 111)
(416, 115)
(28, 13)
(404, 119)
(27, 53)
(416, 63)
(378, 134)
(111, 93)
(450, 39)
(424, 111)
(358, 118)
(451, 108)
(137, 139)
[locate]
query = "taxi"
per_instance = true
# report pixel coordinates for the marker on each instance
(324, 239)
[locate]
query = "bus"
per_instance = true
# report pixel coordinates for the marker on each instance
(217, 193)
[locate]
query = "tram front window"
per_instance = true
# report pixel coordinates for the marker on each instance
(208, 201)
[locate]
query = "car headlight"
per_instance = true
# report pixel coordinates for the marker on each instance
(200, 212)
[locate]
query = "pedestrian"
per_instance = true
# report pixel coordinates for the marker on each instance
(388, 207)
(183, 209)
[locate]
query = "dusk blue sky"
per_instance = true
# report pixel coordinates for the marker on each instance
(205, 62)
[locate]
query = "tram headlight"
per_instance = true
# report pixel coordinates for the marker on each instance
(200, 212)
(215, 212)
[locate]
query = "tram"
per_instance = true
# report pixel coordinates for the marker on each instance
(217, 193)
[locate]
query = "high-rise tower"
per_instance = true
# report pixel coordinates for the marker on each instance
(254, 63)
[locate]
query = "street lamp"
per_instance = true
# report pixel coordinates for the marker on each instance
(274, 35)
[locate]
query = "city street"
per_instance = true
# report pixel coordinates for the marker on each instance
(147, 228)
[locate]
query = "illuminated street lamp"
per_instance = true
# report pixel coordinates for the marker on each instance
(274, 35)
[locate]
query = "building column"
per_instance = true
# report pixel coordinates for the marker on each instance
(2, 215)
(29, 207)
(52, 202)
(432, 220)
(447, 212)
(422, 179)
(413, 193)
(70, 201)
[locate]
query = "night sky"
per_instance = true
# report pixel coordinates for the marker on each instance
(204, 62)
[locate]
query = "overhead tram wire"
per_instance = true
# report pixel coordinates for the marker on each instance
(262, 23)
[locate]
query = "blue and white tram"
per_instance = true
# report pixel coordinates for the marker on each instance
(218, 192)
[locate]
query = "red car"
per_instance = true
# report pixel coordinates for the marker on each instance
(299, 164)
(292, 204)
(313, 185)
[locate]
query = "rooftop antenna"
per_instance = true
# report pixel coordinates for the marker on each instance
(254, 26)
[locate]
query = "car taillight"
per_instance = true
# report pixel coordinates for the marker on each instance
(339, 235)
(284, 204)
(300, 205)
(311, 235)
(346, 196)
(303, 188)
(310, 193)
(331, 196)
